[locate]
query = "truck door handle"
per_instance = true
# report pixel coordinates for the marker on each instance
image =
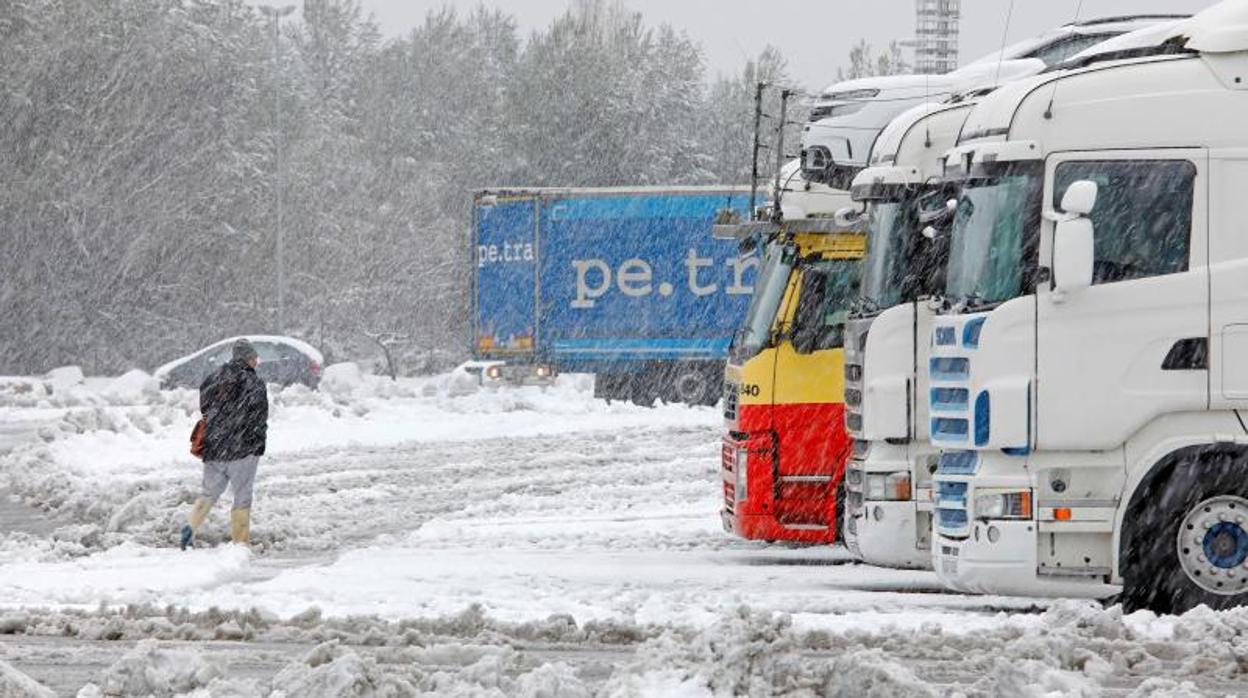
(1190, 354)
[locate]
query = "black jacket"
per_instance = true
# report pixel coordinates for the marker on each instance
(235, 405)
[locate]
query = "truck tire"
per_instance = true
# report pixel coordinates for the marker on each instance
(694, 384)
(1187, 543)
(643, 388)
(690, 385)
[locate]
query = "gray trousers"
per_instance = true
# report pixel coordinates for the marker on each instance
(239, 474)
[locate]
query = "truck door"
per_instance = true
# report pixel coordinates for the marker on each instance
(504, 299)
(1131, 346)
(809, 413)
(1228, 280)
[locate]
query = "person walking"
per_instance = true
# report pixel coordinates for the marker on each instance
(235, 406)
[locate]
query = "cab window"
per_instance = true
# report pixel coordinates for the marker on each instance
(1142, 220)
(828, 289)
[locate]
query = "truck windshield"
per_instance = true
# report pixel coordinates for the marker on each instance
(995, 232)
(778, 263)
(829, 286)
(884, 269)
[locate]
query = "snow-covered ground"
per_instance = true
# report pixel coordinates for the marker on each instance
(443, 539)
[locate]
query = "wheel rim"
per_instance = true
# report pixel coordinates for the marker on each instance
(690, 386)
(1213, 545)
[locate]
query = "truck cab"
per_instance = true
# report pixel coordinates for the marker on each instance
(1087, 381)
(785, 445)
(888, 481)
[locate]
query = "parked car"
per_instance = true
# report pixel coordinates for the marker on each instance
(283, 361)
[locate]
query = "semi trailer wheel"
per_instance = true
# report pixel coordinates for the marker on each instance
(695, 384)
(1188, 540)
(691, 385)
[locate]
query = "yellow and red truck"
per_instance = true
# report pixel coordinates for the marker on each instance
(785, 445)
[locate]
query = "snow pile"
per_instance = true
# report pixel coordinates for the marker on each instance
(15, 684)
(63, 379)
(132, 387)
(149, 670)
(1077, 649)
(330, 671)
(66, 388)
(342, 380)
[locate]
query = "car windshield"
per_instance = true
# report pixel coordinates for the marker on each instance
(755, 334)
(994, 229)
(883, 272)
(829, 287)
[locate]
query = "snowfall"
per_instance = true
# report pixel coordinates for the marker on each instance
(434, 537)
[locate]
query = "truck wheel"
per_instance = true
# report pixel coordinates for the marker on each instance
(691, 385)
(643, 389)
(1188, 543)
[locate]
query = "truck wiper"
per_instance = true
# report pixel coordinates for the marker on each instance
(866, 304)
(967, 303)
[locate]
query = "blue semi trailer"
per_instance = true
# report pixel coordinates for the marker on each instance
(624, 283)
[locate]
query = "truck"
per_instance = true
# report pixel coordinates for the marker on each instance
(1088, 383)
(888, 480)
(625, 283)
(847, 117)
(784, 447)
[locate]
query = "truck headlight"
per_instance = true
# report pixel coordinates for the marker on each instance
(1003, 505)
(741, 469)
(544, 372)
(494, 372)
(888, 487)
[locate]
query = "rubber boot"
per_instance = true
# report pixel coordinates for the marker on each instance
(240, 526)
(199, 512)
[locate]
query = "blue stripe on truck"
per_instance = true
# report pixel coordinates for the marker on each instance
(638, 349)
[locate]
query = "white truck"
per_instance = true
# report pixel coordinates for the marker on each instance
(847, 118)
(888, 480)
(1089, 370)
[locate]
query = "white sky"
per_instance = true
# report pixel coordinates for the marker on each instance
(815, 35)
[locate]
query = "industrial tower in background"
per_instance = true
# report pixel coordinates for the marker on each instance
(936, 36)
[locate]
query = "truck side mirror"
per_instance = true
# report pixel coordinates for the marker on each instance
(1073, 251)
(847, 217)
(1080, 198)
(747, 245)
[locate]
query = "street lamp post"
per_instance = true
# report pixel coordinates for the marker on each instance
(275, 15)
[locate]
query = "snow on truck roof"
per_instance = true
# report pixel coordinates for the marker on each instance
(1219, 30)
(298, 344)
(1223, 28)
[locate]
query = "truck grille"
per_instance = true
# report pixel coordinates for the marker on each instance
(854, 477)
(958, 463)
(952, 515)
(855, 343)
(948, 400)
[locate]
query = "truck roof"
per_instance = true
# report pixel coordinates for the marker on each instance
(1179, 79)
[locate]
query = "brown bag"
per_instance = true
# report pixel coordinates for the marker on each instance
(197, 438)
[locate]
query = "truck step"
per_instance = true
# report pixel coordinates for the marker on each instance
(806, 478)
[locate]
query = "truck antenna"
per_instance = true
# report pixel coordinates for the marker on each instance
(758, 119)
(1048, 111)
(996, 82)
(785, 95)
